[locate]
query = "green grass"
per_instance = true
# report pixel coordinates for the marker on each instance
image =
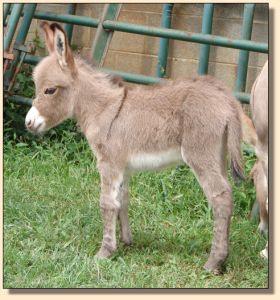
(52, 225)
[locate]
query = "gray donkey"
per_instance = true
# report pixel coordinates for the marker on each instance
(129, 129)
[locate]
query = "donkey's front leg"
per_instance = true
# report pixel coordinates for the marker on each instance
(110, 207)
(126, 235)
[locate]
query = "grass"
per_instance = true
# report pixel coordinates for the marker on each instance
(52, 224)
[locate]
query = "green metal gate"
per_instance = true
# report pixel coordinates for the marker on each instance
(107, 24)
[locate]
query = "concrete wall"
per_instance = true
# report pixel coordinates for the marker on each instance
(138, 54)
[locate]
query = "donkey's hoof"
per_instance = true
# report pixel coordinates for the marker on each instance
(103, 253)
(127, 240)
(216, 270)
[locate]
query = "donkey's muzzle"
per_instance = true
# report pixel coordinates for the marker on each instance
(34, 121)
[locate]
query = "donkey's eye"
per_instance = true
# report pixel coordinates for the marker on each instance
(50, 91)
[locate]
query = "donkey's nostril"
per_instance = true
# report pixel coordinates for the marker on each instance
(34, 121)
(29, 123)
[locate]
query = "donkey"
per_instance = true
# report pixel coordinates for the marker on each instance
(259, 109)
(194, 121)
(257, 173)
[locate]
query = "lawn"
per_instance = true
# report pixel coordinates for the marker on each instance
(52, 224)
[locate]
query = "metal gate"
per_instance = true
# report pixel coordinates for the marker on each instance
(107, 24)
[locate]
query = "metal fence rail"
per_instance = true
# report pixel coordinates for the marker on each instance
(134, 78)
(186, 36)
(205, 38)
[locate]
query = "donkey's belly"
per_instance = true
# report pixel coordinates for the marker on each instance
(154, 160)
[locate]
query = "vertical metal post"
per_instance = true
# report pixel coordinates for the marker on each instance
(164, 42)
(207, 21)
(246, 33)
(103, 37)
(6, 11)
(29, 11)
(71, 10)
(20, 58)
(12, 25)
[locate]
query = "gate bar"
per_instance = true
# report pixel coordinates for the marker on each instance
(7, 7)
(12, 25)
(103, 37)
(20, 100)
(29, 11)
(246, 33)
(207, 21)
(71, 10)
(66, 18)
(164, 43)
(187, 36)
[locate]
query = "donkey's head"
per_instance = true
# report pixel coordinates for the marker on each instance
(54, 79)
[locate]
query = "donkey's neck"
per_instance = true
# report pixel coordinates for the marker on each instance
(98, 99)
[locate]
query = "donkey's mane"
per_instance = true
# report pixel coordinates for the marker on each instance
(88, 66)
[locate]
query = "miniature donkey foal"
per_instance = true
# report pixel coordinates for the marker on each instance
(130, 129)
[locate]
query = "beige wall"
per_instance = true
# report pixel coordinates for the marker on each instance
(138, 54)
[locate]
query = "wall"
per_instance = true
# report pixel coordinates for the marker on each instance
(138, 54)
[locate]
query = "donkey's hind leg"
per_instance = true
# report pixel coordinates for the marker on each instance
(210, 173)
(220, 197)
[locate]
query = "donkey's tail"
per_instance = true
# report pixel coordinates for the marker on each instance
(234, 147)
(249, 134)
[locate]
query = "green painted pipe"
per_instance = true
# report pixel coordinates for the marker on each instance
(12, 25)
(20, 100)
(134, 78)
(164, 43)
(7, 7)
(243, 60)
(32, 59)
(102, 38)
(242, 97)
(142, 79)
(71, 10)
(70, 19)
(207, 21)
(29, 11)
(187, 36)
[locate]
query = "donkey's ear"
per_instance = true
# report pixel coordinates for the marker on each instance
(49, 36)
(62, 49)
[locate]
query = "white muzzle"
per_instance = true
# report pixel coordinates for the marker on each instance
(34, 121)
